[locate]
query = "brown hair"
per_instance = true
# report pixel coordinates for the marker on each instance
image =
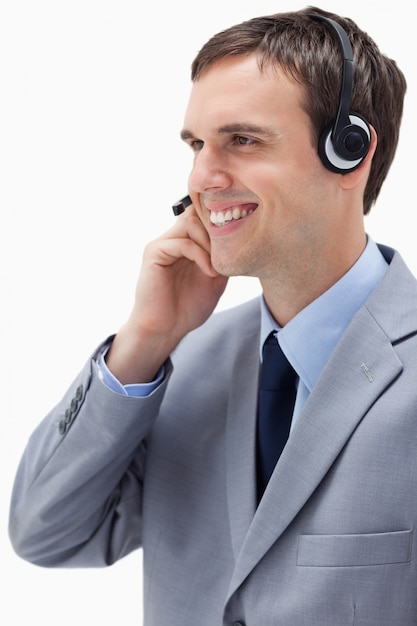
(309, 51)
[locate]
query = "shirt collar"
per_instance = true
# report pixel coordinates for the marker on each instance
(311, 336)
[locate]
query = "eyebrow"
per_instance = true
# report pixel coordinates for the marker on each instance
(229, 129)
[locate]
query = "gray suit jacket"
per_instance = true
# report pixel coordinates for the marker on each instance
(331, 542)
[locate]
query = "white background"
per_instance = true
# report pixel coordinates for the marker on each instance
(92, 98)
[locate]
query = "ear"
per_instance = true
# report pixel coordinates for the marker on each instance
(351, 179)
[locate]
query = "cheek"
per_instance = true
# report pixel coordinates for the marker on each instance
(301, 207)
(294, 172)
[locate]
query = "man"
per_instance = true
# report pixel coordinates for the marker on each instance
(155, 443)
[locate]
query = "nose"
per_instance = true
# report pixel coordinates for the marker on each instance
(209, 171)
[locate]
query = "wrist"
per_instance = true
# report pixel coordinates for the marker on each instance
(136, 357)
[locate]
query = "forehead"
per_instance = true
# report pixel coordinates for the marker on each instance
(235, 87)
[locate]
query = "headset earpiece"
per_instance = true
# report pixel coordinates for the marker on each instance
(345, 142)
(347, 151)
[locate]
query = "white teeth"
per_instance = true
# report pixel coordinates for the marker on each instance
(219, 218)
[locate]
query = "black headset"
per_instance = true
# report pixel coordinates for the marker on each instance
(345, 142)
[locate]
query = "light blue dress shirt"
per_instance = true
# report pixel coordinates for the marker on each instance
(311, 336)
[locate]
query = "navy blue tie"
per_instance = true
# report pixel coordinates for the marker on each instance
(277, 391)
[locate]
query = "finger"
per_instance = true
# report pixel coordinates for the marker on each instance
(171, 250)
(189, 225)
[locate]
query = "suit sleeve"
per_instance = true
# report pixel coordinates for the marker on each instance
(76, 500)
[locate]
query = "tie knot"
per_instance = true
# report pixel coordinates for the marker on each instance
(276, 371)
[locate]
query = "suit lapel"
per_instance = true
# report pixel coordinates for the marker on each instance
(241, 439)
(359, 370)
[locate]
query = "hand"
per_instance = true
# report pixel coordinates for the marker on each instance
(177, 291)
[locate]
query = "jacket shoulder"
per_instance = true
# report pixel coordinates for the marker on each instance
(225, 329)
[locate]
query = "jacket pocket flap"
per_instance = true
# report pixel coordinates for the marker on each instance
(354, 550)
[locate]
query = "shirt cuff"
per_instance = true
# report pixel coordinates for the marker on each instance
(140, 390)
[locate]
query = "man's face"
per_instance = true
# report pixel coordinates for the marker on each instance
(257, 182)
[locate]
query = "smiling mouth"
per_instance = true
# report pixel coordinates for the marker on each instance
(220, 218)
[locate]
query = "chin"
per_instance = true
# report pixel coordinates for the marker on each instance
(227, 268)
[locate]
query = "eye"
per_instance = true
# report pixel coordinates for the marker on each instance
(244, 141)
(196, 145)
